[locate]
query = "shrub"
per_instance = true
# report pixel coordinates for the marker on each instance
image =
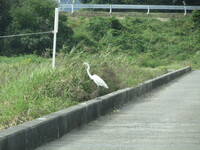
(196, 18)
(98, 26)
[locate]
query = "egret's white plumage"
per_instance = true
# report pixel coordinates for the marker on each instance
(95, 77)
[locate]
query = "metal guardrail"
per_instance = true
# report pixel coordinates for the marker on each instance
(118, 6)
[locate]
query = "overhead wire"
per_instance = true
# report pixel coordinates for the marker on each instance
(26, 34)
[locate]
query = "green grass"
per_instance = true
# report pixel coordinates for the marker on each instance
(124, 51)
(31, 89)
(160, 40)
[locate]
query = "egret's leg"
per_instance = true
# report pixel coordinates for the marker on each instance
(98, 93)
(98, 98)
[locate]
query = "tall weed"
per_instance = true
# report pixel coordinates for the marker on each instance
(44, 90)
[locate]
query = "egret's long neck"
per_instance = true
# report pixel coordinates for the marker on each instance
(88, 71)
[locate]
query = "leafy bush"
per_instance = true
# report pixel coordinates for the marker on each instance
(196, 18)
(98, 26)
(110, 31)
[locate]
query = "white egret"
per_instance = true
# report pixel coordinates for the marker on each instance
(95, 78)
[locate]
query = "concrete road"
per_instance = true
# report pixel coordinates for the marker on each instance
(166, 119)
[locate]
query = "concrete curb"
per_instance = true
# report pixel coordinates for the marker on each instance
(32, 134)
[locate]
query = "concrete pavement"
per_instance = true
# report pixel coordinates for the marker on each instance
(166, 118)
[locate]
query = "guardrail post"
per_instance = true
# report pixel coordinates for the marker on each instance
(185, 11)
(110, 9)
(148, 11)
(72, 8)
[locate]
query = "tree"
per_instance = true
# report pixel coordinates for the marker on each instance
(29, 17)
(5, 18)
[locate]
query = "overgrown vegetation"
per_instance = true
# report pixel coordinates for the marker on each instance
(29, 89)
(124, 51)
(196, 19)
(159, 41)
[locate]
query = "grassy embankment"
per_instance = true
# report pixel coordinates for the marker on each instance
(124, 52)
